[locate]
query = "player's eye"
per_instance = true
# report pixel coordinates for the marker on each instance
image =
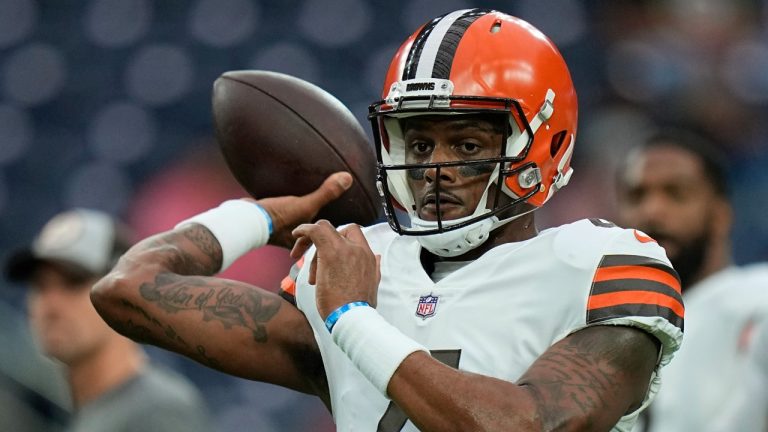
(469, 148)
(421, 147)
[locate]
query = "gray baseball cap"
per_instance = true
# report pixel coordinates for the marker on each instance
(84, 242)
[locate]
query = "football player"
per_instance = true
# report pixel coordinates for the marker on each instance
(675, 188)
(464, 317)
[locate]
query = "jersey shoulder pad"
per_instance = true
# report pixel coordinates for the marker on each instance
(634, 284)
(589, 237)
(582, 243)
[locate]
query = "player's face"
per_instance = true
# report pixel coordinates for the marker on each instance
(432, 139)
(665, 192)
(62, 317)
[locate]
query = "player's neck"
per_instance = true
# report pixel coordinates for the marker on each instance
(104, 370)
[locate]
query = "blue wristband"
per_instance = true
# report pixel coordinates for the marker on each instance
(335, 315)
(267, 216)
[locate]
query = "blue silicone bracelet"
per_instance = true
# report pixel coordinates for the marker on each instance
(335, 315)
(266, 215)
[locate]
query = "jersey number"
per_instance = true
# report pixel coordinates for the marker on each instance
(394, 417)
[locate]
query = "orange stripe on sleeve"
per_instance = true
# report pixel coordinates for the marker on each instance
(635, 297)
(636, 272)
(288, 285)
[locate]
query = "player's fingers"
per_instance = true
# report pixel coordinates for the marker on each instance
(312, 279)
(333, 187)
(344, 231)
(300, 247)
(355, 234)
(321, 233)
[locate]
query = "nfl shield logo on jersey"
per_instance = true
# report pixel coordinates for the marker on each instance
(427, 306)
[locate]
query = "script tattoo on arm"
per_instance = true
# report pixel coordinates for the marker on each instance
(227, 302)
(184, 259)
(189, 255)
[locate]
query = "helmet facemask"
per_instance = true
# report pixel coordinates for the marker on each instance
(472, 230)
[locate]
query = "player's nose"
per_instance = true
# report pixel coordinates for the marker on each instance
(441, 154)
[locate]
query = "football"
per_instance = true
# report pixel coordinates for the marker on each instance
(281, 135)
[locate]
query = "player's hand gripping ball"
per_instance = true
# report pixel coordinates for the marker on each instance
(281, 135)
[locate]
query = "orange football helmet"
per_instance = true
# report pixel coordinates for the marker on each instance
(480, 61)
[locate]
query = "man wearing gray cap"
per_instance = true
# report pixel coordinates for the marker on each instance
(113, 386)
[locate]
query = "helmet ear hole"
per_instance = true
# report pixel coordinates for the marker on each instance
(557, 142)
(496, 27)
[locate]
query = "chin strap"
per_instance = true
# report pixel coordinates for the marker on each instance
(455, 242)
(460, 241)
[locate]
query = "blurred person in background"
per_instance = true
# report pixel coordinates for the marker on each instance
(113, 386)
(34, 395)
(674, 187)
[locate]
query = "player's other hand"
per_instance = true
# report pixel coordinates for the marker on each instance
(344, 269)
(288, 212)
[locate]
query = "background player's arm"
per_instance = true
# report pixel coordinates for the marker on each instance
(585, 382)
(160, 293)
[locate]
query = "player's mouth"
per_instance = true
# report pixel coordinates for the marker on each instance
(450, 206)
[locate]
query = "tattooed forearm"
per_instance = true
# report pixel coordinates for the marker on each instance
(578, 378)
(141, 311)
(139, 333)
(590, 372)
(172, 294)
(167, 329)
(229, 303)
(206, 242)
(205, 358)
(191, 250)
(145, 333)
(171, 334)
(182, 262)
(161, 292)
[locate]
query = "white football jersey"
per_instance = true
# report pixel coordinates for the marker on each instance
(496, 315)
(722, 310)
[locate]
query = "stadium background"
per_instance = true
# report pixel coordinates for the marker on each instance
(106, 104)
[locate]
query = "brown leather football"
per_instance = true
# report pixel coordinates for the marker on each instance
(281, 135)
